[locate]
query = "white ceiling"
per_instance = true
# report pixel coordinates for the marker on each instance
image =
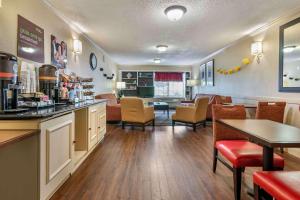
(129, 30)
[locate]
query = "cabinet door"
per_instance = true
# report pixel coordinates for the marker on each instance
(55, 153)
(93, 126)
(101, 121)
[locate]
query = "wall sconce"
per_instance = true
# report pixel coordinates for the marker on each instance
(257, 50)
(77, 46)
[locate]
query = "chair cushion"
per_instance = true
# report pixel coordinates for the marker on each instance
(242, 153)
(281, 185)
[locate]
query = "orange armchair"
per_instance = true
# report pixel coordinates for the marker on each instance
(194, 114)
(113, 109)
(134, 112)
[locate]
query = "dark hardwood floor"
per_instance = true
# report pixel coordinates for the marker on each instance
(152, 165)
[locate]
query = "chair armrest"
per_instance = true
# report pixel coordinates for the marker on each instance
(185, 113)
(149, 113)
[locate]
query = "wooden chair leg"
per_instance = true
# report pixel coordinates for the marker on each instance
(173, 124)
(257, 195)
(204, 124)
(143, 127)
(215, 160)
(123, 125)
(153, 122)
(194, 127)
(237, 181)
(281, 150)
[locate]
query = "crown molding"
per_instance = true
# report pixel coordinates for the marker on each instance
(285, 16)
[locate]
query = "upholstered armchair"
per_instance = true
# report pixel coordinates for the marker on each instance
(134, 112)
(210, 103)
(223, 99)
(113, 109)
(193, 114)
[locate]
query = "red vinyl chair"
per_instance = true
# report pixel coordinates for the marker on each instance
(279, 185)
(272, 111)
(235, 147)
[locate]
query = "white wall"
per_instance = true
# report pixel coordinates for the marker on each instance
(256, 81)
(40, 14)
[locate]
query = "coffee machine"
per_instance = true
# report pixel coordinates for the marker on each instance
(8, 81)
(49, 82)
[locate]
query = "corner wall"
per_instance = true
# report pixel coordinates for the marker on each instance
(40, 14)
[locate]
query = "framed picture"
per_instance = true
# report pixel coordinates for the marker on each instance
(203, 75)
(58, 53)
(210, 73)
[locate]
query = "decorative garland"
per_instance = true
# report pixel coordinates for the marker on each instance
(245, 61)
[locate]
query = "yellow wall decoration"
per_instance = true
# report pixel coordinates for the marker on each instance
(245, 61)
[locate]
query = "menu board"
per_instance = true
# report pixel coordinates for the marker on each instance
(30, 41)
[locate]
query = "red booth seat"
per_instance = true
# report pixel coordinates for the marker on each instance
(280, 185)
(243, 153)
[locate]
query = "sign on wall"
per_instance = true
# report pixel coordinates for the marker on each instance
(30, 41)
(58, 53)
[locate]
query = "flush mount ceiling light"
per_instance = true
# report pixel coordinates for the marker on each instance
(161, 48)
(175, 13)
(289, 49)
(156, 60)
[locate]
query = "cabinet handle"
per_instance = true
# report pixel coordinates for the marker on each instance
(90, 129)
(98, 126)
(74, 142)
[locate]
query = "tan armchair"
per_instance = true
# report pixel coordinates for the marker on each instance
(194, 114)
(134, 112)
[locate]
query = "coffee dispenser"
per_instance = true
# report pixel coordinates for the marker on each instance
(48, 81)
(8, 80)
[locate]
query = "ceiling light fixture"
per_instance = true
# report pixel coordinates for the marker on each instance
(156, 60)
(175, 13)
(289, 49)
(162, 48)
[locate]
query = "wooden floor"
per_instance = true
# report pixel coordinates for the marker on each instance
(160, 164)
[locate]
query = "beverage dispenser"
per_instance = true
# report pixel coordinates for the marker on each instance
(48, 81)
(8, 79)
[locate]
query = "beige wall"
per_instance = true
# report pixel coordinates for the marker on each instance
(256, 81)
(40, 14)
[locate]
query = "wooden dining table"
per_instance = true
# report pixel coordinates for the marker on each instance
(268, 134)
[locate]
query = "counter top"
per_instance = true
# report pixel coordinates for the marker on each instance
(12, 136)
(49, 112)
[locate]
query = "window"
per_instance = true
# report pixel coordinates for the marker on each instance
(169, 89)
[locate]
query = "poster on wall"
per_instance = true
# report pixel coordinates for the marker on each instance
(30, 41)
(58, 53)
(203, 75)
(210, 76)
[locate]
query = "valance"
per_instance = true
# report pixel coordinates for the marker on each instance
(168, 76)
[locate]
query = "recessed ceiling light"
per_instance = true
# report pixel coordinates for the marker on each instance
(162, 48)
(289, 49)
(156, 60)
(175, 13)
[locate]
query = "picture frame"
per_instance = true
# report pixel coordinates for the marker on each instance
(210, 73)
(203, 75)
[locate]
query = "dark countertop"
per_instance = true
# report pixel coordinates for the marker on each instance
(11, 136)
(49, 112)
